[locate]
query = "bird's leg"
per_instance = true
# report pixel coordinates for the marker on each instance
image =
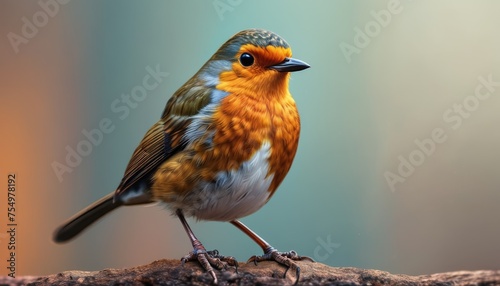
(207, 259)
(271, 253)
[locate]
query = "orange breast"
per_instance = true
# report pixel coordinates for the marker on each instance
(240, 126)
(244, 123)
(284, 137)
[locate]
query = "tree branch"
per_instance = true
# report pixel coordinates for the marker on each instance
(170, 272)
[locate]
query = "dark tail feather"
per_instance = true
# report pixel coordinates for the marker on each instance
(85, 218)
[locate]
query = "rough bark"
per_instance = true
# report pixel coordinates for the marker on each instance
(170, 272)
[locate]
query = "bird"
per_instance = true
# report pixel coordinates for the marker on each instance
(224, 143)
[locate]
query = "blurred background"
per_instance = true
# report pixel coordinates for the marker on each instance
(398, 163)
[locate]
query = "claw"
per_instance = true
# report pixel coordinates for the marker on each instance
(253, 259)
(307, 258)
(284, 258)
(297, 273)
(207, 259)
(214, 277)
(223, 261)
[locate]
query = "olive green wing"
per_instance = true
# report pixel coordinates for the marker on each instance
(163, 140)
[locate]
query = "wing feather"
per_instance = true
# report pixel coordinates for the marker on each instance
(165, 138)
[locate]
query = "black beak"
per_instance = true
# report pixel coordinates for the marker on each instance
(290, 65)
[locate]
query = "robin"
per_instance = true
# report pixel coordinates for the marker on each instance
(223, 145)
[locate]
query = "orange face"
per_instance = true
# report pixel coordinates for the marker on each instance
(257, 79)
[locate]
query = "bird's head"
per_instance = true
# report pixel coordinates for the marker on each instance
(252, 60)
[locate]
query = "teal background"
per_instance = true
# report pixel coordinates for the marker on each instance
(357, 118)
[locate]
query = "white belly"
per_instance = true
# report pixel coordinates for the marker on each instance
(233, 194)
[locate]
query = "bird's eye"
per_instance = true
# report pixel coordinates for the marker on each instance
(246, 59)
